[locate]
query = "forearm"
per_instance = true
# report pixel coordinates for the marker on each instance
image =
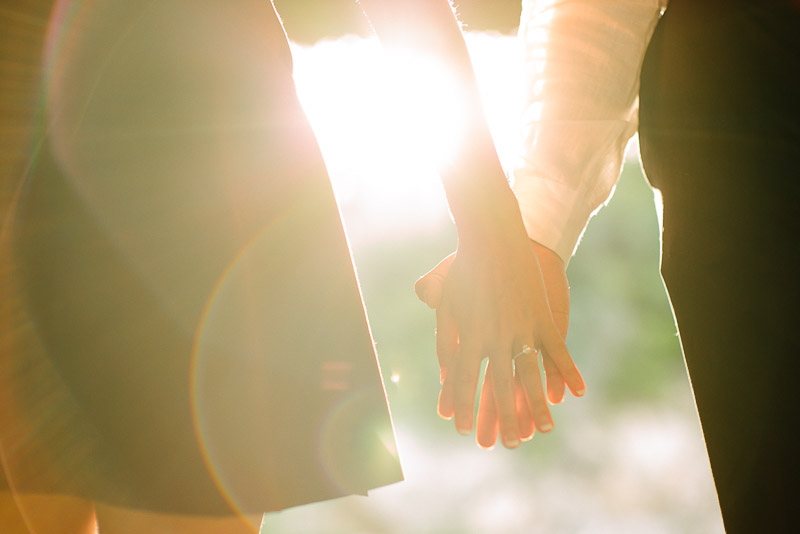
(582, 63)
(476, 187)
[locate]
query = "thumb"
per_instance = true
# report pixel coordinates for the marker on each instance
(429, 287)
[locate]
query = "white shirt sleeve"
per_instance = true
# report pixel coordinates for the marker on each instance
(582, 64)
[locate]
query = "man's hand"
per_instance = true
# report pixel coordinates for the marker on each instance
(529, 404)
(518, 314)
(493, 302)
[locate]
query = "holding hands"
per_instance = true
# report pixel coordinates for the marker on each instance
(498, 300)
(490, 297)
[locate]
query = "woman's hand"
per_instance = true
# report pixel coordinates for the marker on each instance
(492, 303)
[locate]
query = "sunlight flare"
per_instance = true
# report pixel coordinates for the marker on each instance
(382, 158)
(425, 102)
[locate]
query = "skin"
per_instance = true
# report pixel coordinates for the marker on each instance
(493, 300)
(56, 514)
(530, 404)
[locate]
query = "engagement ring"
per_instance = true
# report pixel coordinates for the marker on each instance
(526, 349)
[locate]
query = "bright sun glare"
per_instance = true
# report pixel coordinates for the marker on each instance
(382, 139)
(424, 107)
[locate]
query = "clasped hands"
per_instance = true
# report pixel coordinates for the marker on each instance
(495, 301)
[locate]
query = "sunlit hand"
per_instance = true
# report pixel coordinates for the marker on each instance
(526, 367)
(518, 313)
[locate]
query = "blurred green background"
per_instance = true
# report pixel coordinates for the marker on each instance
(628, 457)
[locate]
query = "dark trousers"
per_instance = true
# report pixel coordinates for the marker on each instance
(720, 138)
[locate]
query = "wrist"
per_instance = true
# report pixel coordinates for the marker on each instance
(482, 204)
(548, 255)
(493, 228)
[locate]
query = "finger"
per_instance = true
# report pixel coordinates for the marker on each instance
(501, 376)
(447, 395)
(524, 418)
(561, 320)
(527, 368)
(446, 339)
(462, 376)
(448, 399)
(554, 348)
(429, 287)
(487, 427)
(446, 406)
(555, 382)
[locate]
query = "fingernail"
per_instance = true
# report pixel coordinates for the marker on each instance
(547, 427)
(511, 443)
(580, 391)
(464, 431)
